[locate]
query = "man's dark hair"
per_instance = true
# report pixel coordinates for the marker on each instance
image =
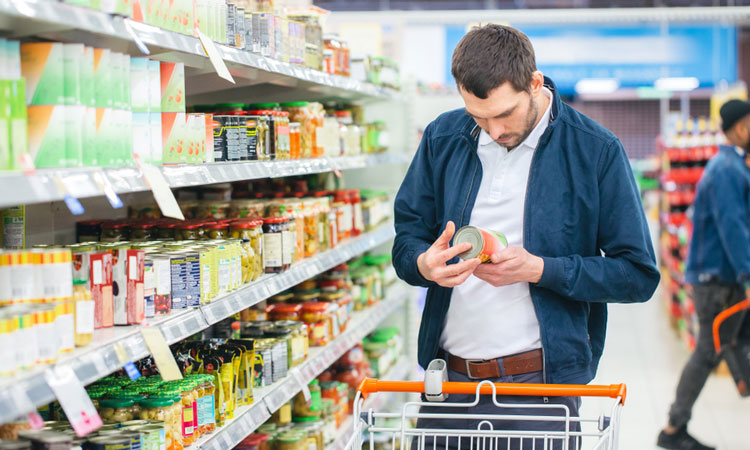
(490, 55)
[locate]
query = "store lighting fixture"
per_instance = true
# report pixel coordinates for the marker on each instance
(677, 84)
(597, 86)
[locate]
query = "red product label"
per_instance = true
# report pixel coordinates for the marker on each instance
(188, 420)
(135, 300)
(101, 289)
(493, 243)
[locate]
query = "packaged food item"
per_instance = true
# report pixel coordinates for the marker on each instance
(116, 410)
(172, 87)
(285, 311)
(88, 230)
(484, 243)
(273, 244)
(142, 232)
(101, 289)
(127, 275)
(162, 273)
(186, 279)
(303, 408)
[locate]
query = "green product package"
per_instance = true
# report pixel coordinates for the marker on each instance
(125, 82)
(74, 118)
(43, 68)
(139, 84)
(88, 88)
(154, 86)
(5, 161)
(47, 135)
(90, 149)
(154, 120)
(141, 136)
(116, 80)
(105, 137)
(18, 135)
(172, 87)
(103, 90)
(72, 65)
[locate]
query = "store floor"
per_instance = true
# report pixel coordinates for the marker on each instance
(645, 353)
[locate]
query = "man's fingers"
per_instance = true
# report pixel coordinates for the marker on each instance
(447, 234)
(457, 280)
(453, 270)
(502, 255)
(447, 255)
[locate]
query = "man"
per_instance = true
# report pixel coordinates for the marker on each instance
(718, 263)
(559, 186)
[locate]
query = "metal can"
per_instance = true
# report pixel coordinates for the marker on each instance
(138, 440)
(107, 443)
(154, 436)
(484, 243)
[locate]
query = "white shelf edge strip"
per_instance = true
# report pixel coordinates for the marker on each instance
(268, 400)
(92, 363)
(42, 186)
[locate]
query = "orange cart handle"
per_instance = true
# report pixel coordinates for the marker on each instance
(369, 386)
(724, 315)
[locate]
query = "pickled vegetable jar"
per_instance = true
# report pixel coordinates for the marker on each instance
(317, 316)
(83, 313)
(116, 410)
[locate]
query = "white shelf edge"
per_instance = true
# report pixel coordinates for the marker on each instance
(245, 421)
(92, 363)
(83, 182)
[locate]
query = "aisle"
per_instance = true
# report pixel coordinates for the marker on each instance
(643, 352)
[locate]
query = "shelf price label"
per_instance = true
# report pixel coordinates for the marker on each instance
(213, 55)
(162, 193)
(161, 353)
(73, 398)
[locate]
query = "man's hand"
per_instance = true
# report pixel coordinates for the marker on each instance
(432, 265)
(511, 265)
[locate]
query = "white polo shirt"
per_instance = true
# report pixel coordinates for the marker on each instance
(487, 322)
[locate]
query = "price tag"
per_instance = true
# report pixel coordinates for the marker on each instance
(162, 193)
(302, 385)
(71, 202)
(73, 398)
(122, 355)
(214, 56)
(132, 371)
(103, 183)
(162, 355)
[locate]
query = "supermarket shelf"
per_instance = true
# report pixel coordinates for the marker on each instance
(398, 372)
(45, 184)
(113, 347)
(253, 73)
(271, 398)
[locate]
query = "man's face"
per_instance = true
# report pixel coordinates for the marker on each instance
(507, 115)
(739, 135)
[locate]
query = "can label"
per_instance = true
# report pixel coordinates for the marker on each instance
(484, 242)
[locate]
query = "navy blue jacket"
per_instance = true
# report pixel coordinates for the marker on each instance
(720, 248)
(581, 201)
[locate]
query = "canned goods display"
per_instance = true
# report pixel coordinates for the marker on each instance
(107, 443)
(484, 243)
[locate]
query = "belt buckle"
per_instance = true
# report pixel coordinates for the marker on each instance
(468, 368)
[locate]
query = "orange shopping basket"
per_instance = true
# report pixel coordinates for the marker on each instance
(396, 430)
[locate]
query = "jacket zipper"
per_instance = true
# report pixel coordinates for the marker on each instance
(471, 185)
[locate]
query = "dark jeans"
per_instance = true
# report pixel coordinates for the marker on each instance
(486, 406)
(709, 299)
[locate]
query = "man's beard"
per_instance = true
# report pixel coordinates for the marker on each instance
(530, 121)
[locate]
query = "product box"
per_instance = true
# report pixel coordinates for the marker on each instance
(172, 78)
(139, 85)
(88, 86)
(5, 158)
(154, 86)
(173, 130)
(18, 136)
(124, 123)
(142, 136)
(157, 156)
(196, 137)
(125, 82)
(73, 58)
(46, 125)
(208, 138)
(135, 299)
(186, 280)
(75, 116)
(205, 256)
(90, 149)
(149, 288)
(43, 68)
(101, 289)
(106, 135)
(103, 82)
(162, 273)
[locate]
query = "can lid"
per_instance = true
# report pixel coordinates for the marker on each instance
(473, 236)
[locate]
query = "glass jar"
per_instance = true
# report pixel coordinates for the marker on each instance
(115, 410)
(330, 420)
(114, 232)
(83, 313)
(298, 344)
(281, 119)
(273, 244)
(256, 241)
(206, 413)
(324, 209)
(291, 441)
(142, 232)
(267, 131)
(301, 114)
(300, 405)
(215, 231)
(187, 401)
(355, 200)
(173, 429)
(311, 227)
(188, 232)
(318, 319)
(295, 140)
(343, 301)
(165, 231)
(283, 297)
(285, 311)
(156, 409)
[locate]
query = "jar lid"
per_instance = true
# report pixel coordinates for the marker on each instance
(242, 224)
(283, 308)
(274, 220)
(114, 225)
(287, 324)
(80, 282)
(277, 332)
(315, 307)
(188, 226)
(156, 402)
(216, 226)
(294, 104)
(116, 403)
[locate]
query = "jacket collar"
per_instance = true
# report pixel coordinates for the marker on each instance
(472, 130)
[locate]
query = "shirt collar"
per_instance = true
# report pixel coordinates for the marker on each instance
(532, 139)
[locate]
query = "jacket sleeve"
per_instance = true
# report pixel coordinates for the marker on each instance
(626, 272)
(729, 207)
(415, 216)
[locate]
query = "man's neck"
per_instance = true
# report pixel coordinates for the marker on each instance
(543, 101)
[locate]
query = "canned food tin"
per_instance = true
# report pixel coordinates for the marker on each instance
(107, 443)
(484, 243)
(155, 436)
(138, 440)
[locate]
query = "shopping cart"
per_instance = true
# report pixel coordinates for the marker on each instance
(565, 432)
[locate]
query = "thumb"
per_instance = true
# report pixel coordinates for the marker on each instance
(447, 235)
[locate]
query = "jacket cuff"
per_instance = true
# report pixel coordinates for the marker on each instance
(553, 276)
(414, 267)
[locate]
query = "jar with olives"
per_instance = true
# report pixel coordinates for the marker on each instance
(188, 401)
(215, 231)
(142, 232)
(206, 408)
(187, 232)
(175, 427)
(116, 410)
(114, 232)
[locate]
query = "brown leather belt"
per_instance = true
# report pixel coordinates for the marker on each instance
(527, 362)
